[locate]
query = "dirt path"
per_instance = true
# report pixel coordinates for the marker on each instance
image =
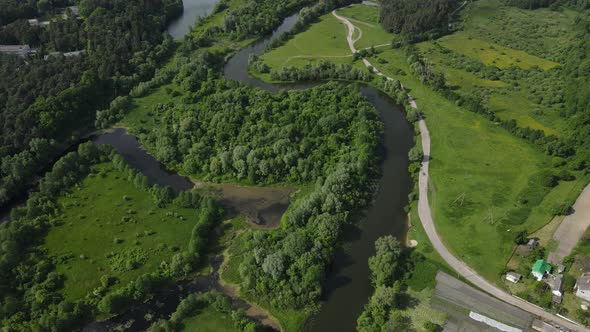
(425, 215)
(572, 228)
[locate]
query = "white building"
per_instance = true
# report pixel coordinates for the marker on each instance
(513, 277)
(20, 50)
(582, 286)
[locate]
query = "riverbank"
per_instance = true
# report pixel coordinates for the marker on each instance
(459, 170)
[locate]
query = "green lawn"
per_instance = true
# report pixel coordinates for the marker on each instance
(366, 18)
(325, 39)
(106, 207)
(209, 320)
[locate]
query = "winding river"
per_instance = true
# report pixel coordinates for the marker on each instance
(193, 9)
(347, 287)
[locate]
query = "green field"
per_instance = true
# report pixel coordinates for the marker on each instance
(492, 54)
(107, 222)
(366, 19)
(495, 35)
(209, 320)
(325, 39)
(541, 32)
(477, 171)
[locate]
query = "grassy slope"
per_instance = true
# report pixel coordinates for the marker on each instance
(366, 18)
(503, 36)
(475, 158)
(326, 39)
(92, 220)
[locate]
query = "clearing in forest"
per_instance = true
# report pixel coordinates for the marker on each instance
(325, 39)
(491, 54)
(110, 227)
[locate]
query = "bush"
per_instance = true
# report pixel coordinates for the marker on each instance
(521, 237)
(561, 209)
(432, 327)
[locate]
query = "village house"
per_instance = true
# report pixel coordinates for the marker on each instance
(513, 277)
(36, 23)
(582, 286)
(532, 244)
(66, 54)
(19, 50)
(555, 282)
(72, 11)
(540, 269)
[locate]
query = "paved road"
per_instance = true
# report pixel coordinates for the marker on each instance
(425, 214)
(572, 228)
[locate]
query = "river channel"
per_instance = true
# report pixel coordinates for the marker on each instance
(193, 9)
(347, 287)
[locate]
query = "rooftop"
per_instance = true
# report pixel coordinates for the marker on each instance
(583, 282)
(541, 267)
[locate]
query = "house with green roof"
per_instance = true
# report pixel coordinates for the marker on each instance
(540, 269)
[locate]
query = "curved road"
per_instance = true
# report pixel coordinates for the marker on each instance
(425, 215)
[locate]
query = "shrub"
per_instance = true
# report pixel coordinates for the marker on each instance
(521, 237)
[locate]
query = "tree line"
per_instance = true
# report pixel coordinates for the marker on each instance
(416, 19)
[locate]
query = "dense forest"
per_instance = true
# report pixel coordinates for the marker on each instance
(532, 4)
(56, 98)
(416, 17)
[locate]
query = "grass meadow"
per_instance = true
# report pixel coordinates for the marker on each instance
(492, 54)
(106, 223)
(366, 18)
(478, 170)
(209, 320)
(324, 39)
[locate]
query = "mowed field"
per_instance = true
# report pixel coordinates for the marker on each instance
(369, 31)
(478, 170)
(109, 227)
(326, 39)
